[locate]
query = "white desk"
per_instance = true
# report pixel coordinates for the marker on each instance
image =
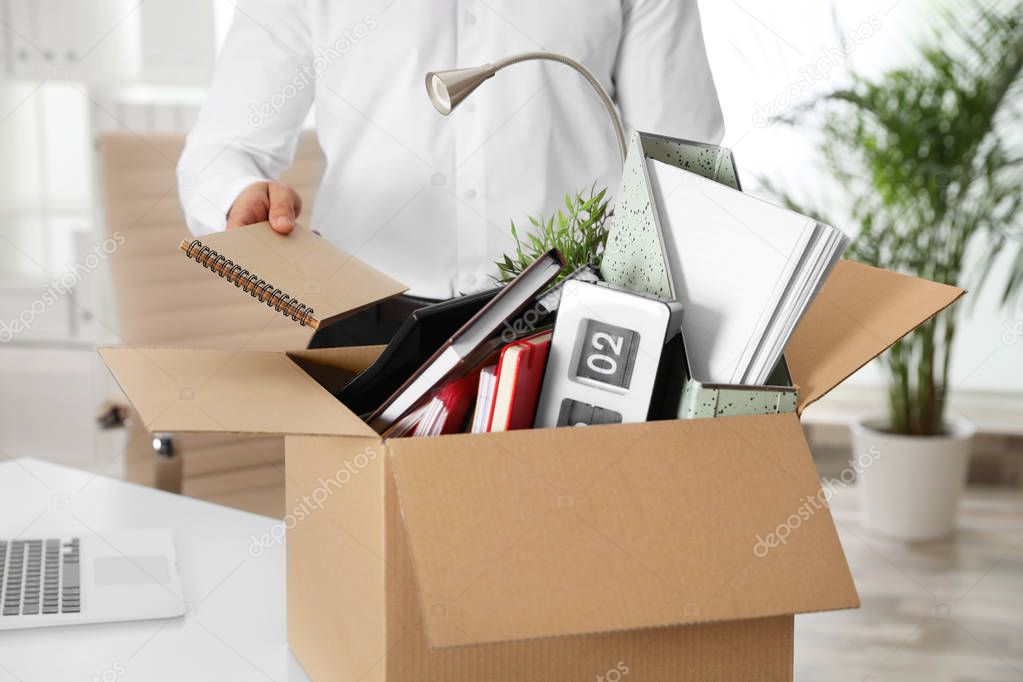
(235, 601)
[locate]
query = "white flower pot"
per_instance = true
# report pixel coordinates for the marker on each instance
(911, 487)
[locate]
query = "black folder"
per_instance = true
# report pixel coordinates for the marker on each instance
(419, 337)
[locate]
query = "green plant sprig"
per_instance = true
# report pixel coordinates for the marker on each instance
(579, 232)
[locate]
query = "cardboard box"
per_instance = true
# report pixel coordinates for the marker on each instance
(640, 551)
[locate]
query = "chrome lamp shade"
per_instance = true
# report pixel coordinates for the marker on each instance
(447, 89)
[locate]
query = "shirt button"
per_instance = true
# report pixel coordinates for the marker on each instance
(470, 194)
(470, 18)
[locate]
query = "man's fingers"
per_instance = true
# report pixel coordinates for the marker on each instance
(251, 206)
(279, 204)
(285, 205)
(240, 218)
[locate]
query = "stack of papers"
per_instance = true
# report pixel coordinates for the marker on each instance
(406, 426)
(745, 271)
(484, 399)
(445, 412)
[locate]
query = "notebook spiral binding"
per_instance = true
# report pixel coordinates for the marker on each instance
(265, 292)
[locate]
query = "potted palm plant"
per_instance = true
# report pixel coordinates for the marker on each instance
(931, 154)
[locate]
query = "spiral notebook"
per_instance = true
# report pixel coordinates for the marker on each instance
(300, 275)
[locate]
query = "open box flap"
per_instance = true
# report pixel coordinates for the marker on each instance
(540, 533)
(332, 368)
(228, 391)
(352, 359)
(860, 311)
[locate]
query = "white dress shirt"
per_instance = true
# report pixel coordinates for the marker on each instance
(423, 197)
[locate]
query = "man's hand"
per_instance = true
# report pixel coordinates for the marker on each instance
(270, 201)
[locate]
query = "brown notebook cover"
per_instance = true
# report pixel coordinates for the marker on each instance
(301, 275)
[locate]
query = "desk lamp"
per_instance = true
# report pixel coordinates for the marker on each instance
(447, 89)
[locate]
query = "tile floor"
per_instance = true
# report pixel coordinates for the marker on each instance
(948, 610)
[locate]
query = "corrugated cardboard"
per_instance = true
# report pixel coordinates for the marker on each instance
(369, 623)
(543, 533)
(543, 554)
(205, 391)
(856, 316)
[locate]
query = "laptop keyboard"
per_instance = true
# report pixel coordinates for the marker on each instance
(40, 577)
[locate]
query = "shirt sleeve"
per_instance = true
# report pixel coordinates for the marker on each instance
(663, 82)
(249, 126)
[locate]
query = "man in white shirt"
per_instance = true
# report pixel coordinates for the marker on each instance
(427, 198)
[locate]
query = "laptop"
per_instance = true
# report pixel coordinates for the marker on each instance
(88, 578)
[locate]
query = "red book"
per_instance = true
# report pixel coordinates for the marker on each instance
(519, 376)
(447, 410)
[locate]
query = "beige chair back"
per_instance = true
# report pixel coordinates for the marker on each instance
(161, 297)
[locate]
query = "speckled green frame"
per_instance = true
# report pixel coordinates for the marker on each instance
(635, 259)
(701, 400)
